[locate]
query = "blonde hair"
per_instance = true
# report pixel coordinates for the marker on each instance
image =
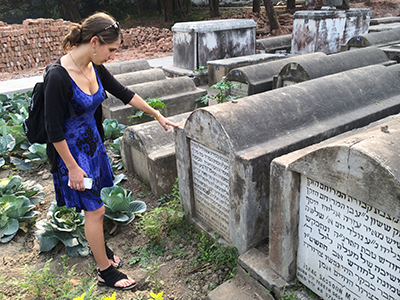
(90, 27)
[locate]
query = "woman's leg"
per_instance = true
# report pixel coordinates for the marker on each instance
(95, 237)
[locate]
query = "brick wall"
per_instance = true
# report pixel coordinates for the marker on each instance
(35, 43)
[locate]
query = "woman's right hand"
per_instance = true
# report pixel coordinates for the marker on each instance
(76, 175)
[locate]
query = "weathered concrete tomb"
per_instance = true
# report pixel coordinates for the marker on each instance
(127, 66)
(136, 77)
(334, 215)
(326, 30)
(377, 39)
(392, 51)
(258, 78)
(275, 43)
(195, 43)
(178, 94)
(149, 151)
(295, 72)
(217, 69)
(224, 151)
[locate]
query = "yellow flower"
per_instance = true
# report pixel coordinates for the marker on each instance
(159, 296)
(82, 297)
(112, 297)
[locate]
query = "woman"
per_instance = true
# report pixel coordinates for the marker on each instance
(74, 91)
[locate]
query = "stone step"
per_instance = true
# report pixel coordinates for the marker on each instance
(241, 287)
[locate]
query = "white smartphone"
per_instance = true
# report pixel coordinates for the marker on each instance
(87, 182)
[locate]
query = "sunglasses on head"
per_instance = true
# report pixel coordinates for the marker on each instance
(114, 25)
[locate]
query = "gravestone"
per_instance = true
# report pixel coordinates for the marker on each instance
(392, 51)
(377, 39)
(224, 151)
(149, 151)
(218, 69)
(384, 20)
(259, 78)
(127, 66)
(296, 72)
(178, 94)
(140, 76)
(273, 44)
(195, 43)
(335, 215)
(326, 30)
(383, 27)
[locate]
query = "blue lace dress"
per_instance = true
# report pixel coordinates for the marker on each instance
(86, 146)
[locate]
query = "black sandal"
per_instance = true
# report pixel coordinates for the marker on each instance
(110, 255)
(111, 276)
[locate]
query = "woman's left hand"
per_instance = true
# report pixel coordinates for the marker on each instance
(164, 122)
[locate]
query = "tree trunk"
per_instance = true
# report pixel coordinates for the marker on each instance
(271, 15)
(168, 10)
(159, 6)
(69, 10)
(188, 6)
(214, 8)
(256, 6)
(291, 6)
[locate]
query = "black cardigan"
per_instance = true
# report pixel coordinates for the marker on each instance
(57, 96)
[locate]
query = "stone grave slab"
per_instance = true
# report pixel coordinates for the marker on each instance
(219, 68)
(178, 94)
(384, 20)
(383, 27)
(127, 66)
(149, 151)
(140, 76)
(392, 51)
(259, 78)
(224, 151)
(377, 39)
(295, 72)
(273, 44)
(195, 43)
(343, 225)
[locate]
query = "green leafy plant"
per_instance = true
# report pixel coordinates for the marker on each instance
(153, 275)
(63, 225)
(163, 219)
(112, 129)
(7, 142)
(42, 283)
(115, 157)
(13, 104)
(17, 201)
(145, 255)
(155, 103)
(201, 70)
(215, 253)
(14, 185)
(119, 205)
(14, 210)
(221, 96)
(36, 154)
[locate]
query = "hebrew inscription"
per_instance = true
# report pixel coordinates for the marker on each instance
(211, 188)
(347, 248)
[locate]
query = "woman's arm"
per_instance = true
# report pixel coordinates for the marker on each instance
(140, 104)
(75, 172)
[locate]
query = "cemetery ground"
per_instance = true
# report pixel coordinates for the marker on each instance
(184, 264)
